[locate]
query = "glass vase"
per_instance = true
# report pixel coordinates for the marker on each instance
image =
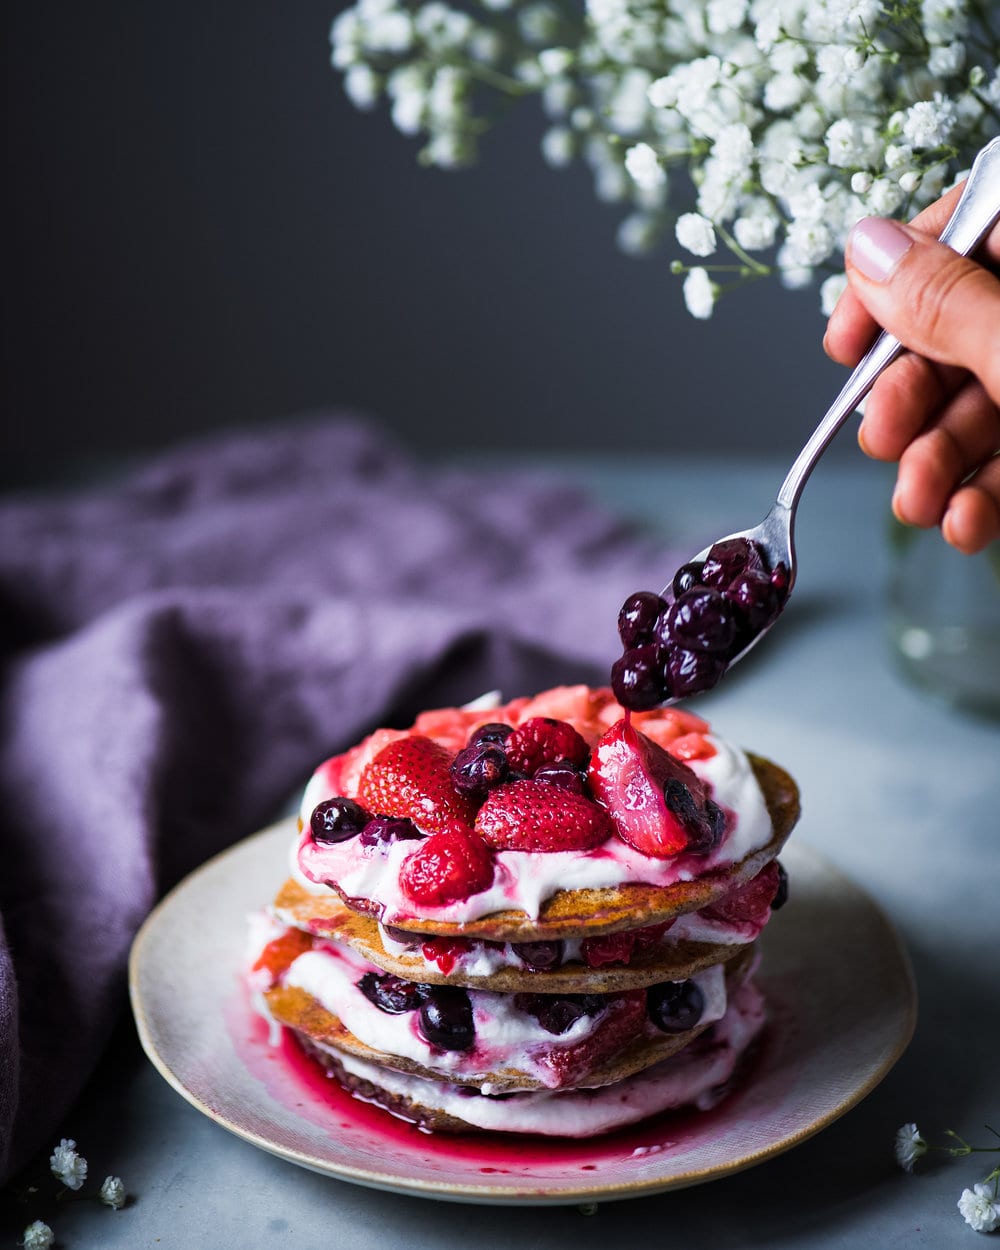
(944, 618)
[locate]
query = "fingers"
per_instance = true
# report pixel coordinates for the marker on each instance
(937, 461)
(973, 517)
(939, 304)
(911, 392)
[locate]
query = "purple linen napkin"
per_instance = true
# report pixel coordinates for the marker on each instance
(181, 649)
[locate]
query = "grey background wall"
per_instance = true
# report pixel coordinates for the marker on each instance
(201, 231)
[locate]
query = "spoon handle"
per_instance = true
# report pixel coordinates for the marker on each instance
(975, 214)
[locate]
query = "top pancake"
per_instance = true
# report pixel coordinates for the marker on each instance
(576, 913)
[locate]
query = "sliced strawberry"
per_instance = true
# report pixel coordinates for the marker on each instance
(410, 777)
(533, 815)
(619, 1022)
(544, 740)
(447, 867)
(749, 903)
(279, 954)
(658, 804)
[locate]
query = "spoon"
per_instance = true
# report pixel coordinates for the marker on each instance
(766, 553)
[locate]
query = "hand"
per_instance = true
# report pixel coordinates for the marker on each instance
(936, 409)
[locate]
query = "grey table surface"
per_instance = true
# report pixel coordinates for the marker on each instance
(899, 791)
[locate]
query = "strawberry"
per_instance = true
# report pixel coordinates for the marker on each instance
(618, 1023)
(658, 804)
(530, 815)
(410, 777)
(278, 955)
(749, 903)
(447, 867)
(544, 740)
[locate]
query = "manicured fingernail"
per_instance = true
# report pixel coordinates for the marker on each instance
(876, 245)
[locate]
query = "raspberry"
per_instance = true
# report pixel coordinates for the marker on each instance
(749, 903)
(447, 867)
(544, 740)
(610, 948)
(411, 777)
(537, 816)
(445, 951)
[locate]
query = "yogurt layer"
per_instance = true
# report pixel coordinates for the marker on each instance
(695, 1077)
(505, 1036)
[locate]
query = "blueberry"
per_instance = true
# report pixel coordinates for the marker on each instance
(691, 672)
(703, 825)
(557, 1013)
(495, 733)
(754, 599)
(637, 679)
(675, 1006)
(700, 620)
(446, 1018)
(403, 936)
(781, 898)
(337, 819)
(728, 559)
(382, 831)
(561, 774)
(686, 578)
(539, 956)
(391, 994)
(638, 616)
(780, 580)
(477, 769)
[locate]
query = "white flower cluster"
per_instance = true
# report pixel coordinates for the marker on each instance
(978, 1206)
(788, 120)
(69, 1167)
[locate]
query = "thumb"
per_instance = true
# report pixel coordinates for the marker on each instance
(937, 303)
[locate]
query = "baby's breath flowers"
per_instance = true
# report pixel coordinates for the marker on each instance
(980, 1205)
(37, 1236)
(758, 131)
(67, 1164)
(69, 1167)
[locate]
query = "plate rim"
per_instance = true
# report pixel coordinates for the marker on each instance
(485, 1193)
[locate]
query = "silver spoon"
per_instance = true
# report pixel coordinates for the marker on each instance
(976, 212)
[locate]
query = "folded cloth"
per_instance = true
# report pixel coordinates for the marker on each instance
(180, 648)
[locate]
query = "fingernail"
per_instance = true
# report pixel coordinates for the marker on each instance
(897, 507)
(876, 245)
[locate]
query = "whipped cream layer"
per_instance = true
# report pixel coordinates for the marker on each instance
(505, 1037)
(523, 880)
(697, 1076)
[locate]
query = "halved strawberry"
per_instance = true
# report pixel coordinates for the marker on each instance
(410, 777)
(749, 903)
(544, 740)
(658, 804)
(531, 815)
(447, 867)
(620, 1021)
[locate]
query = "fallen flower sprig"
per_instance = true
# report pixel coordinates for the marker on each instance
(70, 1168)
(980, 1205)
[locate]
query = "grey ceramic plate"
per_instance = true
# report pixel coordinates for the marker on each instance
(832, 1038)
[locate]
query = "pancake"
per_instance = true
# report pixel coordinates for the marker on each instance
(670, 960)
(619, 1046)
(699, 1076)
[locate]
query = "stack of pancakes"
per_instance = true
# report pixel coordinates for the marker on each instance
(600, 1008)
